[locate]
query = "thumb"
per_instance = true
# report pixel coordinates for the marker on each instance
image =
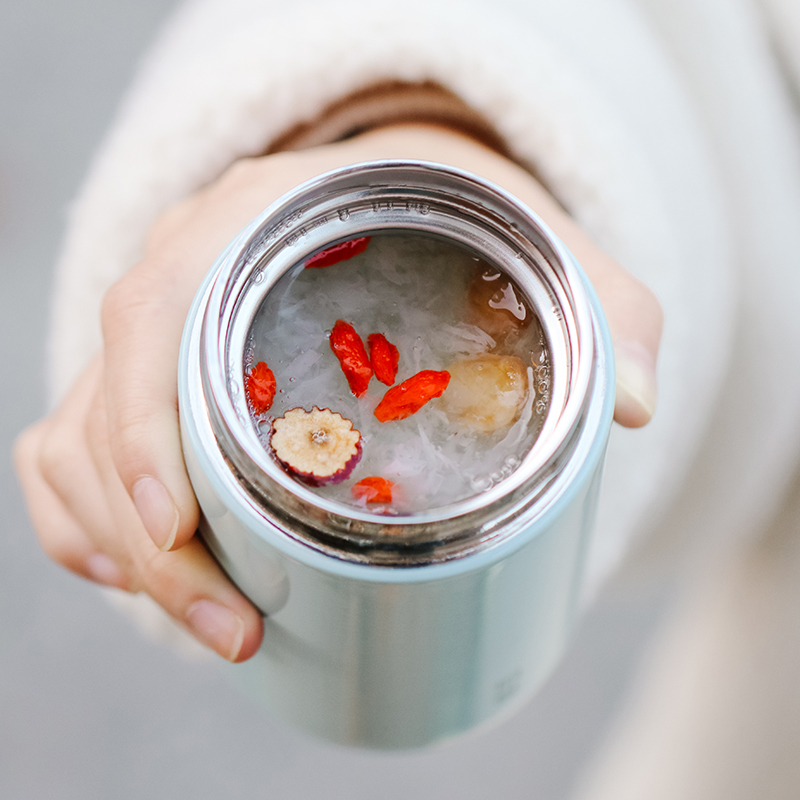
(635, 319)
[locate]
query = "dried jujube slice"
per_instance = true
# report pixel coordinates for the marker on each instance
(349, 348)
(384, 358)
(408, 397)
(260, 388)
(338, 252)
(487, 392)
(373, 489)
(317, 447)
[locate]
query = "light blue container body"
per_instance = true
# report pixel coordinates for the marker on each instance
(401, 657)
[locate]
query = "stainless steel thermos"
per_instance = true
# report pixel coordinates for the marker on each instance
(397, 632)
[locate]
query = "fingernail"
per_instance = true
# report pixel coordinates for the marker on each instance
(217, 627)
(636, 384)
(103, 570)
(159, 514)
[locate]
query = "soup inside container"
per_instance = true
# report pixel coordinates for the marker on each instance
(409, 308)
(464, 281)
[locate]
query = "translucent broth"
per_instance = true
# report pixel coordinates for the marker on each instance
(414, 289)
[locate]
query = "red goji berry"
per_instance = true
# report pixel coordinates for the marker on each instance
(349, 349)
(260, 388)
(373, 490)
(384, 358)
(408, 397)
(339, 252)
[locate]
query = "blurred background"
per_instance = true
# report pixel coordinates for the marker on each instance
(89, 708)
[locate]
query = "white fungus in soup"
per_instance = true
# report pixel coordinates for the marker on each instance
(446, 311)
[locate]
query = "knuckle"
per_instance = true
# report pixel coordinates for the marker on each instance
(25, 447)
(129, 442)
(132, 297)
(60, 548)
(156, 577)
(167, 223)
(171, 223)
(117, 303)
(238, 173)
(56, 453)
(129, 437)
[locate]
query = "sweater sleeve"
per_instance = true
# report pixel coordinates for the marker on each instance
(585, 94)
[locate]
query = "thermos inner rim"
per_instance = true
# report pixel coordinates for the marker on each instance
(414, 197)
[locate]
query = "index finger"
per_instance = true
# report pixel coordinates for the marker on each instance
(143, 318)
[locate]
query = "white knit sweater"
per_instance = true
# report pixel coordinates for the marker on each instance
(663, 126)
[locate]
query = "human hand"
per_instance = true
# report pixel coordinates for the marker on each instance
(104, 476)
